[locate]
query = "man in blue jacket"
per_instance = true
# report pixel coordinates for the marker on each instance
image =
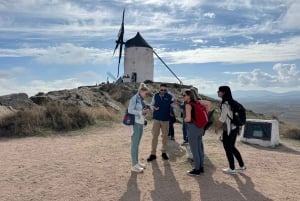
(161, 105)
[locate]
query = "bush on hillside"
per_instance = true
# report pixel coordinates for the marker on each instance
(22, 123)
(293, 133)
(66, 116)
(54, 116)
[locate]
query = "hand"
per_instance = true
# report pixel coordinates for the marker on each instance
(145, 111)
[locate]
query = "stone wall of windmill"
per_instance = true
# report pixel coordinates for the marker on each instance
(139, 61)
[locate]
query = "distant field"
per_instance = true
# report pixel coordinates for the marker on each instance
(287, 111)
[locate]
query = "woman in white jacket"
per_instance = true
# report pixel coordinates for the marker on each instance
(137, 107)
(230, 131)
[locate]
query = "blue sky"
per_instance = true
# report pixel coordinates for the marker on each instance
(48, 45)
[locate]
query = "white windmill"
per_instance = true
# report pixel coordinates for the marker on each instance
(139, 61)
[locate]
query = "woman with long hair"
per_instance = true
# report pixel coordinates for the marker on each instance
(230, 131)
(194, 134)
(137, 107)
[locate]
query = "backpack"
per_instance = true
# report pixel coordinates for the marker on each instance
(210, 116)
(199, 114)
(239, 114)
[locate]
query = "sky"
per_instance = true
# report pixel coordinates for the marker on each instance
(48, 45)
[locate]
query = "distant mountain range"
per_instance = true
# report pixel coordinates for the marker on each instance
(286, 106)
(261, 95)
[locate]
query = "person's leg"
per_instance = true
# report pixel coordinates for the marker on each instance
(235, 151)
(171, 130)
(194, 145)
(164, 135)
(184, 132)
(155, 134)
(135, 141)
(201, 148)
(228, 147)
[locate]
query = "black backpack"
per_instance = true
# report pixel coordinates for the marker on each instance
(239, 114)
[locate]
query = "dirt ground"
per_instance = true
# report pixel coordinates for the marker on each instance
(94, 164)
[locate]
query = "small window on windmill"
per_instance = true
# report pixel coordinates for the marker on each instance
(258, 130)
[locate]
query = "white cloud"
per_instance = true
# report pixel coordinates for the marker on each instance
(64, 54)
(285, 76)
(11, 72)
(288, 49)
(210, 15)
(235, 4)
(291, 19)
(12, 85)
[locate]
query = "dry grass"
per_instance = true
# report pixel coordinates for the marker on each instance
(55, 116)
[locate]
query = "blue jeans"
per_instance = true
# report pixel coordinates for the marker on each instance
(184, 133)
(135, 142)
(171, 129)
(195, 140)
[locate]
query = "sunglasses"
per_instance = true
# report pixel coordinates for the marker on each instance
(163, 90)
(184, 95)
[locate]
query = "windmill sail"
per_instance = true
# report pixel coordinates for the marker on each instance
(120, 41)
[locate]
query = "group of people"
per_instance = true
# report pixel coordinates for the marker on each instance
(162, 106)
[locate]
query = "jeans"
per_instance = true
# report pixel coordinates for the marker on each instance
(184, 133)
(230, 149)
(171, 129)
(135, 142)
(195, 141)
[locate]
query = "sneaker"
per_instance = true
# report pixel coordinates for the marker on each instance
(240, 169)
(142, 165)
(229, 171)
(151, 158)
(172, 138)
(201, 170)
(194, 172)
(164, 156)
(137, 168)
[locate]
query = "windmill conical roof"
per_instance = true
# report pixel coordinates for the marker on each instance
(137, 41)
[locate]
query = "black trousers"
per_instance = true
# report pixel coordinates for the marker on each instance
(230, 149)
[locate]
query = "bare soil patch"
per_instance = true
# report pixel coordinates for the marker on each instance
(94, 165)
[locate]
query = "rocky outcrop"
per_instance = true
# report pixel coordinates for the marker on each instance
(110, 95)
(17, 101)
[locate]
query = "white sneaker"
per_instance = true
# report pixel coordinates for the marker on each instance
(142, 165)
(240, 169)
(229, 171)
(137, 168)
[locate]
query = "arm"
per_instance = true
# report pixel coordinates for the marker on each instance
(188, 112)
(132, 107)
(207, 104)
(218, 126)
(152, 105)
(222, 118)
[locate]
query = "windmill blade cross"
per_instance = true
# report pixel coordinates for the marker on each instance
(120, 41)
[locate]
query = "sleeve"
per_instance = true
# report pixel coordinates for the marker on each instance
(132, 107)
(224, 112)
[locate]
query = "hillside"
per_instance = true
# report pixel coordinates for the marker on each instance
(113, 98)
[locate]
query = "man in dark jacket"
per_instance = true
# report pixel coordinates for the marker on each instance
(161, 104)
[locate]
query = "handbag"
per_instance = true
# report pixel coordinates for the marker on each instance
(128, 119)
